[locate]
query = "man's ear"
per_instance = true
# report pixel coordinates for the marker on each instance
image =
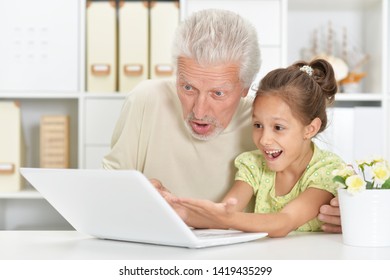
(312, 128)
(245, 92)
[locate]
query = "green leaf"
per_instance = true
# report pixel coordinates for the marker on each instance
(369, 185)
(339, 179)
(386, 184)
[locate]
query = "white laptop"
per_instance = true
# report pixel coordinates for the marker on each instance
(122, 205)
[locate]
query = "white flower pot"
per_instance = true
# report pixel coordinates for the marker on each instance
(365, 217)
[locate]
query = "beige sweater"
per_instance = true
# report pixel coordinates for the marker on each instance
(150, 136)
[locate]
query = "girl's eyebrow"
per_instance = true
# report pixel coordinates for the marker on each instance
(273, 118)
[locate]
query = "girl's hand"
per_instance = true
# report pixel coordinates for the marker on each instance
(208, 214)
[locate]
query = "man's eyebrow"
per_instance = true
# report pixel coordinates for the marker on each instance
(226, 85)
(183, 79)
(223, 85)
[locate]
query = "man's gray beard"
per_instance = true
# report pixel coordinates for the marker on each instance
(202, 137)
(217, 130)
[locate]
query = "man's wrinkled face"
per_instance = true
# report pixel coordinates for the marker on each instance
(209, 96)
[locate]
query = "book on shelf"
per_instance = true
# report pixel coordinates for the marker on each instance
(54, 141)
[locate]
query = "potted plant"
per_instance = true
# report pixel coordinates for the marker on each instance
(364, 198)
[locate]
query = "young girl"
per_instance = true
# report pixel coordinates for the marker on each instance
(289, 176)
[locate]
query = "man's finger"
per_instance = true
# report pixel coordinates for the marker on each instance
(328, 210)
(328, 219)
(335, 202)
(331, 228)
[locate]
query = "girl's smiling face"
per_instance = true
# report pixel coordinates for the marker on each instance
(282, 138)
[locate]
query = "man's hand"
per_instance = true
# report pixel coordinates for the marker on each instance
(165, 193)
(158, 185)
(330, 215)
(170, 198)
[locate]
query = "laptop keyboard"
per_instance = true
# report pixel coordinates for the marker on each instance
(215, 233)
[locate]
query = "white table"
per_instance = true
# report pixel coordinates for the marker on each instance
(72, 245)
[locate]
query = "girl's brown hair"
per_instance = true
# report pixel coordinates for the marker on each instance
(307, 93)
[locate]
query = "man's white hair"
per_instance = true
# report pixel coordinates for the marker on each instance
(213, 37)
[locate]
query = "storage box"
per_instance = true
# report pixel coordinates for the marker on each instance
(164, 18)
(101, 46)
(11, 146)
(133, 43)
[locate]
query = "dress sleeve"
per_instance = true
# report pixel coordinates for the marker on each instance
(319, 174)
(249, 169)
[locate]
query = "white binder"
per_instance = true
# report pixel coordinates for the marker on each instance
(164, 18)
(101, 46)
(11, 146)
(133, 43)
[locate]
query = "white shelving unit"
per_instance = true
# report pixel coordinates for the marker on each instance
(367, 22)
(352, 134)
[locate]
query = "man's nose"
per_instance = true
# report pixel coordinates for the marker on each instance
(201, 106)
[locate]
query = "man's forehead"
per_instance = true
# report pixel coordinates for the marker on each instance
(222, 67)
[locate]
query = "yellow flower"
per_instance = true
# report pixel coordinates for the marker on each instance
(381, 173)
(371, 174)
(355, 184)
(346, 171)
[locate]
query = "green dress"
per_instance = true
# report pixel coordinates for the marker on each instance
(252, 169)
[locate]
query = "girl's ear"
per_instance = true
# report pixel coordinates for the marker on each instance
(312, 128)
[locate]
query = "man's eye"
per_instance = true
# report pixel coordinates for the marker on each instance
(187, 87)
(219, 93)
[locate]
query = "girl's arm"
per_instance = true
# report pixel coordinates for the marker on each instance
(222, 215)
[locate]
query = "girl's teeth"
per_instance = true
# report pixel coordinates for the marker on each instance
(274, 153)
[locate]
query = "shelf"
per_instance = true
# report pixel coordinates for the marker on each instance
(111, 95)
(61, 95)
(330, 4)
(27, 193)
(116, 95)
(36, 95)
(359, 97)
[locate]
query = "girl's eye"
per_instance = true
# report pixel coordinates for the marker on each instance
(279, 127)
(257, 125)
